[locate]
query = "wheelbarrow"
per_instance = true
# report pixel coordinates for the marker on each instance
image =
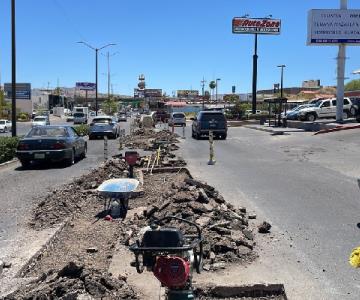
(116, 193)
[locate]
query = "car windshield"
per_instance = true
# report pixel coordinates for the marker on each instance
(47, 132)
(179, 116)
(209, 117)
(317, 104)
(2, 122)
(79, 115)
(102, 120)
(39, 119)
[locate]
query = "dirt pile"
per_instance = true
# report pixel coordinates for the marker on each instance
(150, 140)
(74, 281)
(64, 201)
(225, 228)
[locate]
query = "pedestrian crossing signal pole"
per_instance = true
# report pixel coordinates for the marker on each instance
(212, 160)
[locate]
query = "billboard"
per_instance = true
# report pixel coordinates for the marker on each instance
(23, 91)
(153, 93)
(333, 27)
(258, 26)
(86, 86)
(187, 93)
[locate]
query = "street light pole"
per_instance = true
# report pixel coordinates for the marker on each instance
(96, 70)
(282, 81)
(96, 81)
(254, 87)
(203, 92)
(13, 67)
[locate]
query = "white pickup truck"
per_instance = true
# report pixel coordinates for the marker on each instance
(326, 109)
(5, 125)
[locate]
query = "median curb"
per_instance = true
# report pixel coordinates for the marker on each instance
(338, 128)
(10, 162)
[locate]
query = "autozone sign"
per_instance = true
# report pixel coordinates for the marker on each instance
(256, 26)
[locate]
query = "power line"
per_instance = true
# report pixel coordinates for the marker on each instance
(70, 21)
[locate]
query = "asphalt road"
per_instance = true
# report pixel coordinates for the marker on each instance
(307, 187)
(20, 188)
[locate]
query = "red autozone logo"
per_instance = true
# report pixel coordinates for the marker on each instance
(242, 25)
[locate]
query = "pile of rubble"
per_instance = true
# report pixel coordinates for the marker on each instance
(225, 228)
(149, 139)
(74, 281)
(62, 202)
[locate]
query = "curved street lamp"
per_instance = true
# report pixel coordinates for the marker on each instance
(96, 69)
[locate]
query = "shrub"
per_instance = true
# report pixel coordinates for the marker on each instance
(23, 117)
(82, 129)
(8, 147)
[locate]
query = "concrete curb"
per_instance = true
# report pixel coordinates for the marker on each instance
(257, 290)
(10, 162)
(48, 244)
(339, 128)
(260, 129)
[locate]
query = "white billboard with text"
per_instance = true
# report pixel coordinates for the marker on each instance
(333, 27)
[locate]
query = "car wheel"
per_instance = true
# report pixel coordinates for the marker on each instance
(25, 163)
(345, 115)
(353, 111)
(5, 129)
(70, 161)
(311, 117)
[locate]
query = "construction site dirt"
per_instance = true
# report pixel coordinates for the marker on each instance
(87, 241)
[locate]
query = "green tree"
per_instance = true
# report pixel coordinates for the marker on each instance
(4, 105)
(353, 85)
(109, 106)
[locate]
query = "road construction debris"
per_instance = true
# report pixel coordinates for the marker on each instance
(264, 227)
(225, 229)
(62, 202)
(149, 139)
(74, 281)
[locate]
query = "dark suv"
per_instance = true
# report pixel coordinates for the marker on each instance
(207, 121)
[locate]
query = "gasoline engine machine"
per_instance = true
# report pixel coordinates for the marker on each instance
(171, 255)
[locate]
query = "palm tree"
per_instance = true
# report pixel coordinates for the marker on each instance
(212, 86)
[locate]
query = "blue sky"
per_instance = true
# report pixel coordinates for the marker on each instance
(174, 43)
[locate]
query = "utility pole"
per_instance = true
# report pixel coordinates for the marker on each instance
(341, 74)
(108, 61)
(203, 92)
(282, 81)
(13, 68)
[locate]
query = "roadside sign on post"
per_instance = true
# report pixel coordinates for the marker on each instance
(339, 27)
(86, 86)
(256, 26)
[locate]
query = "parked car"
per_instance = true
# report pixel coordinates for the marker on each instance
(207, 121)
(51, 143)
(40, 121)
(5, 125)
(80, 118)
(356, 107)
(104, 126)
(122, 117)
(326, 109)
(177, 119)
(293, 114)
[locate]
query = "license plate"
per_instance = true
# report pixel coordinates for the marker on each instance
(39, 155)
